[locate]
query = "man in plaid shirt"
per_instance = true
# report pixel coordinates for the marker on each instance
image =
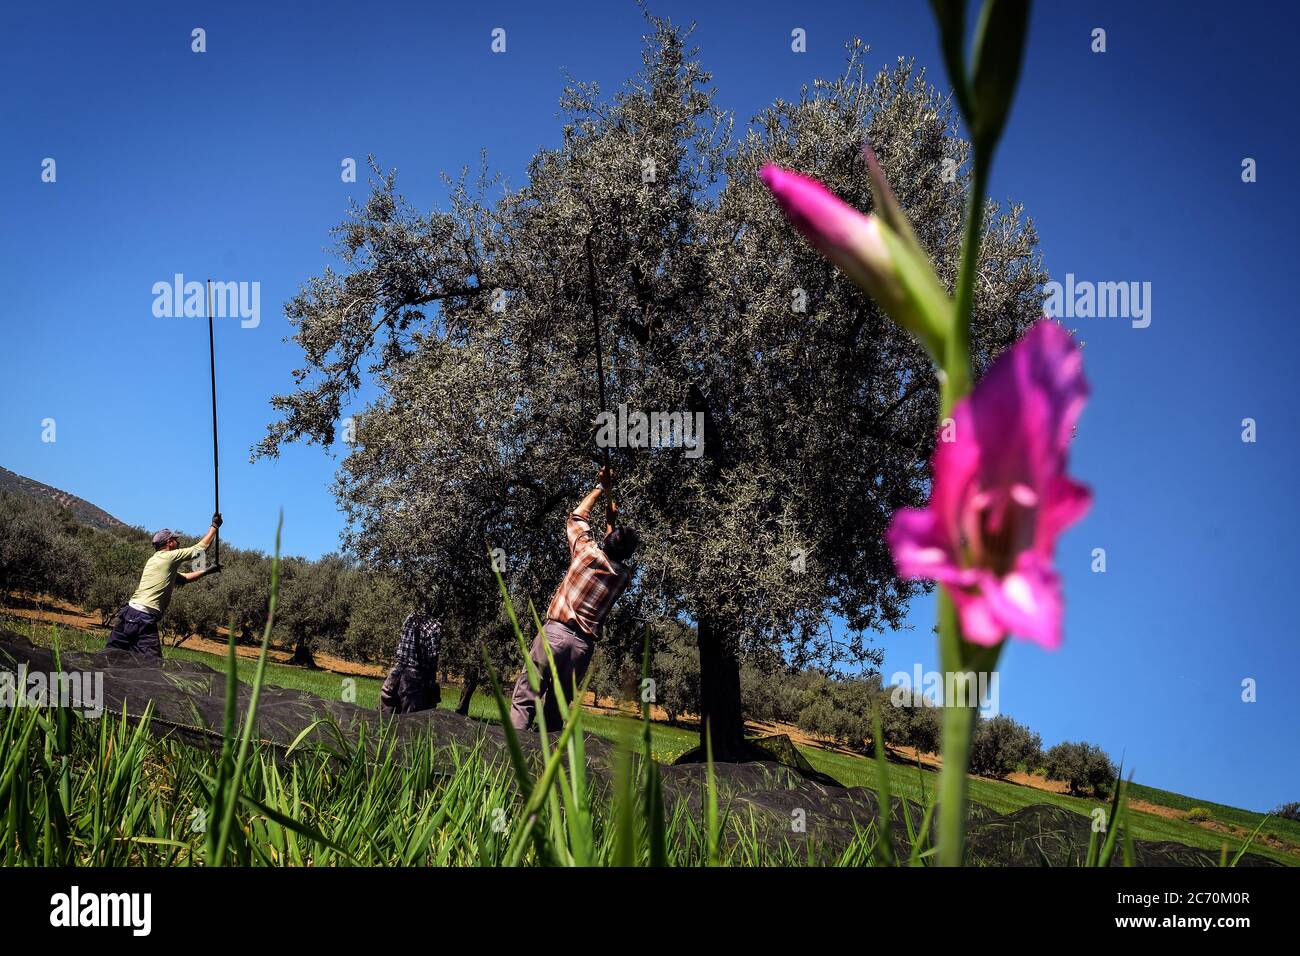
(412, 684)
(598, 574)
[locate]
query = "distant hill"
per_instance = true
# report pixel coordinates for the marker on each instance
(81, 509)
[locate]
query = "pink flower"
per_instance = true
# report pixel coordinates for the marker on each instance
(1000, 495)
(865, 249)
(845, 236)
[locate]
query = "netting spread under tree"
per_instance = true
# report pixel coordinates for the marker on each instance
(476, 324)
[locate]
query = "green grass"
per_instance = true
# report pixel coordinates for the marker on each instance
(1001, 797)
(668, 742)
(81, 792)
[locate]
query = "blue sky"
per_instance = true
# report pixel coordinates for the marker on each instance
(226, 164)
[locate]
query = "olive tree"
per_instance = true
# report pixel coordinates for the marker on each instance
(647, 225)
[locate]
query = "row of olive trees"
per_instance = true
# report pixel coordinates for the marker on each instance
(838, 708)
(331, 604)
(40, 550)
(334, 605)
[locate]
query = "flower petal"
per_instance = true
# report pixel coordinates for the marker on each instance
(1066, 501)
(979, 625)
(1027, 602)
(919, 546)
(1026, 406)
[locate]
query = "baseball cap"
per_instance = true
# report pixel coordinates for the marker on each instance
(163, 536)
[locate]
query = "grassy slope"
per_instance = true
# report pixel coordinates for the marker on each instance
(1288, 830)
(850, 769)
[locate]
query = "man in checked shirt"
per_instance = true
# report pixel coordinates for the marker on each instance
(598, 574)
(412, 684)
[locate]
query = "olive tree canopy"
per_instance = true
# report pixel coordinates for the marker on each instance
(476, 324)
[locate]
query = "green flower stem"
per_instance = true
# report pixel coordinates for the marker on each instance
(954, 653)
(957, 655)
(956, 358)
(957, 725)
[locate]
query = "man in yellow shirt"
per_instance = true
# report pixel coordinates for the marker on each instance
(136, 628)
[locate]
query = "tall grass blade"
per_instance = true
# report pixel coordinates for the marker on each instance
(229, 800)
(885, 842)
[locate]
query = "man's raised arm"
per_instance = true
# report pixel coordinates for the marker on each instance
(202, 545)
(579, 524)
(587, 503)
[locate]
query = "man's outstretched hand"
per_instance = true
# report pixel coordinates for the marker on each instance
(607, 484)
(216, 519)
(197, 575)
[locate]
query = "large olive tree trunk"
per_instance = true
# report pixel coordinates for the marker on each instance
(720, 704)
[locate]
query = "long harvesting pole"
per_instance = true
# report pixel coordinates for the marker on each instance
(600, 363)
(216, 471)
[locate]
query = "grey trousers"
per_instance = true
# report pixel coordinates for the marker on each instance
(572, 652)
(406, 691)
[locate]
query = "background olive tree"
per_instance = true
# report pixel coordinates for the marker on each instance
(1085, 767)
(1000, 744)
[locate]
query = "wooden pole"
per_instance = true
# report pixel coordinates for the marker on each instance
(216, 471)
(600, 363)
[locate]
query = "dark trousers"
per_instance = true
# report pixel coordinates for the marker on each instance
(407, 690)
(572, 652)
(136, 631)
